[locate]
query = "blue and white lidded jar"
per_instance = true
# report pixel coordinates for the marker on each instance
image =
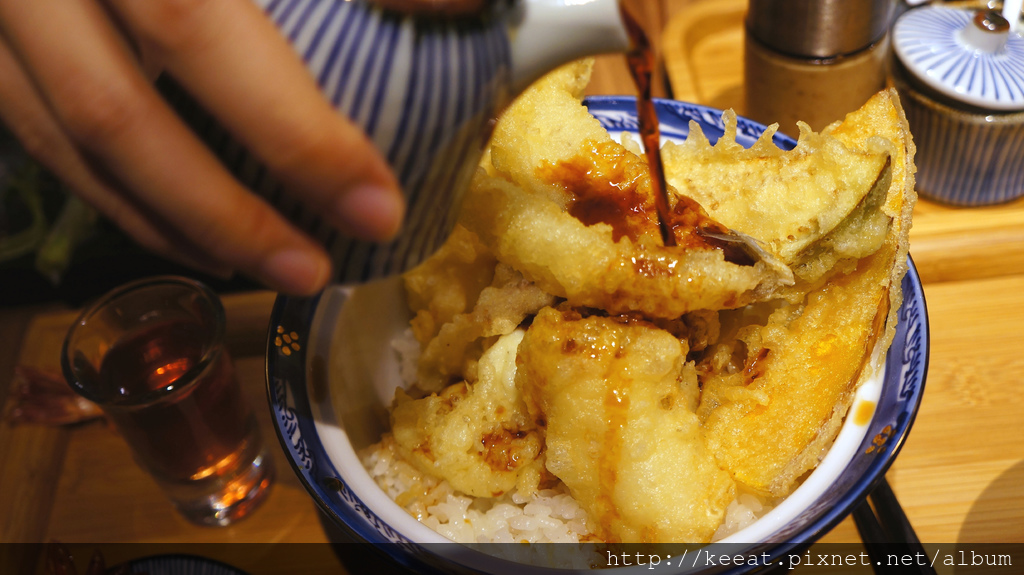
(960, 75)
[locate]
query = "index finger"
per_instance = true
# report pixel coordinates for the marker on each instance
(234, 61)
(101, 99)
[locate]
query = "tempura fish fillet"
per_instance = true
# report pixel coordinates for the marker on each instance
(587, 267)
(616, 402)
(545, 124)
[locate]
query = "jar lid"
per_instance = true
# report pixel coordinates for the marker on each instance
(818, 28)
(973, 57)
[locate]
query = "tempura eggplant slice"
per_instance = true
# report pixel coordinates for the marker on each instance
(815, 206)
(787, 199)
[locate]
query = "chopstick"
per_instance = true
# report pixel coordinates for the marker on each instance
(886, 531)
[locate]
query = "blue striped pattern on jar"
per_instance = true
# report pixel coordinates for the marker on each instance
(931, 43)
(422, 90)
(965, 157)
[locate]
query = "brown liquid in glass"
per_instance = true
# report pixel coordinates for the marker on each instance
(185, 432)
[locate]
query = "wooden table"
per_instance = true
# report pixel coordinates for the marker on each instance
(960, 475)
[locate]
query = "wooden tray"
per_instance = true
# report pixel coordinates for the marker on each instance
(703, 53)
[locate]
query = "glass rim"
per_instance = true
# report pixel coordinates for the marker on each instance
(211, 351)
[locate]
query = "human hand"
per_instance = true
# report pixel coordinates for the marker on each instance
(76, 89)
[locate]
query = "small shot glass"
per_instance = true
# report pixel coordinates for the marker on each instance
(151, 354)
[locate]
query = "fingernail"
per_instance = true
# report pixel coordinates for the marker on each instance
(370, 212)
(296, 271)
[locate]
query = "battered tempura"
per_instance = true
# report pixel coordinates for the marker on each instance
(564, 343)
(617, 400)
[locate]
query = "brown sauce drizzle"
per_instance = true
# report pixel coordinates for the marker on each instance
(641, 65)
(605, 186)
(604, 189)
(500, 448)
(686, 223)
(616, 409)
(755, 366)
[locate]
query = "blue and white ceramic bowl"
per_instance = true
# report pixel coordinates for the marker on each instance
(331, 372)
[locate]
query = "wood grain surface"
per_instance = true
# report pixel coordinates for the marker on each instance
(960, 474)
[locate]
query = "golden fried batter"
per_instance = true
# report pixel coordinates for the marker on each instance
(586, 266)
(788, 199)
(499, 309)
(881, 122)
(773, 419)
(577, 340)
(448, 282)
(616, 402)
(477, 436)
(573, 211)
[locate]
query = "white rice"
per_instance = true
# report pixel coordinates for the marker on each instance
(549, 516)
(744, 510)
(407, 351)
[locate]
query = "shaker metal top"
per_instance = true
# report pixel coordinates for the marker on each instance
(818, 28)
(973, 57)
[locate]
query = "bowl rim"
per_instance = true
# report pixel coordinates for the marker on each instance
(285, 400)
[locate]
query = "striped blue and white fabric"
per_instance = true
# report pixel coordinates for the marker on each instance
(423, 90)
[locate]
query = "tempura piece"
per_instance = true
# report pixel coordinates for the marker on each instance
(448, 283)
(790, 199)
(881, 122)
(587, 267)
(499, 309)
(814, 205)
(545, 124)
(477, 436)
(773, 419)
(615, 399)
(573, 211)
